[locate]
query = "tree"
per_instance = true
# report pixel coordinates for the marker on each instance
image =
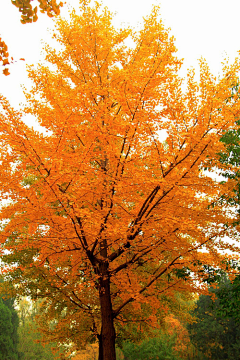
(229, 300)
(229, 295)
(215, 335)
(229, 158)
(28, 15)
(8, 330)
(103, 218)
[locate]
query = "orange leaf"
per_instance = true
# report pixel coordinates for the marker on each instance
(6, 72)
(5, 62)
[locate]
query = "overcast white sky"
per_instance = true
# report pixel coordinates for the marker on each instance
(208, 28)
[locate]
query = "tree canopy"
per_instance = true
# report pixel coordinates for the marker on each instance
(103, 216)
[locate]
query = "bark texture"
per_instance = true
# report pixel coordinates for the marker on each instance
(108, 334)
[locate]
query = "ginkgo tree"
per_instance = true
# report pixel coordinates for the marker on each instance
(100, 215)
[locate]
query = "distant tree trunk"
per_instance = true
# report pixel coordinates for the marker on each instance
(108, 335)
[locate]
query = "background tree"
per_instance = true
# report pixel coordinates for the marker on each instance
(228, 158)
(215, 335)
(229, 165)
(229, 298)
(229, 295)
(160, 347)
(103, 217)
(170, 342)
(8, 330)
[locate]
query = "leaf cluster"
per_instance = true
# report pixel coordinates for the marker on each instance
(28, 15)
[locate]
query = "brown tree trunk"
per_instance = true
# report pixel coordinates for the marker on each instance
(100, 347)
(108, 334)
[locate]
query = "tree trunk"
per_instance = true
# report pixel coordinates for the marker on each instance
(100, 347)
(108, 334)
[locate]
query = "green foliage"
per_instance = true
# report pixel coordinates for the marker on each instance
(216, 336)
(229, 298)
(230, 160)
(8, 331)
(209, 274)
(157, 348)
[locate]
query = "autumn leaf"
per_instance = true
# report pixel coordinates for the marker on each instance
(6, 72)
(5, 62)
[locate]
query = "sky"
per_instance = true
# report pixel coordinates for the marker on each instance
(206, 28)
